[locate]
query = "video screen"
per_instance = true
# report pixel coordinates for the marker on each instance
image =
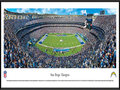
(61, 43)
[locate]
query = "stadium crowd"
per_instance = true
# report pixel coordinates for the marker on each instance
(17, 56)
(59, 19)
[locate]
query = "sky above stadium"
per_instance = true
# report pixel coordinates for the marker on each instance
(64, 11)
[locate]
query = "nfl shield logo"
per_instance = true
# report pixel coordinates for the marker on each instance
(5, 74)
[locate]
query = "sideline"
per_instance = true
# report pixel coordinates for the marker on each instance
(62, 48)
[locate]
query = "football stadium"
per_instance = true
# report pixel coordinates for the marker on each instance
(34, 40)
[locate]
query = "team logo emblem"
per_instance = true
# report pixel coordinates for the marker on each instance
(5, 74)
(113, 73)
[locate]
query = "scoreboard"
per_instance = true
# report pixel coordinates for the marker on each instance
(89, 23)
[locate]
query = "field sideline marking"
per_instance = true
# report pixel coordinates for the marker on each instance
(64, 48)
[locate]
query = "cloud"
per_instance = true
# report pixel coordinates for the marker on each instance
(83, 12)
(35, 10)
(111, 11)
(75, 13)
(56, 12)
(69, 9)
(23, 10)
(96, 14)
(66, 11)
(46, 10)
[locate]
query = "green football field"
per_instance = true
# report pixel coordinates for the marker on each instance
(56, 40)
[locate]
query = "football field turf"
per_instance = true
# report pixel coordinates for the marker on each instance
(60, 41)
